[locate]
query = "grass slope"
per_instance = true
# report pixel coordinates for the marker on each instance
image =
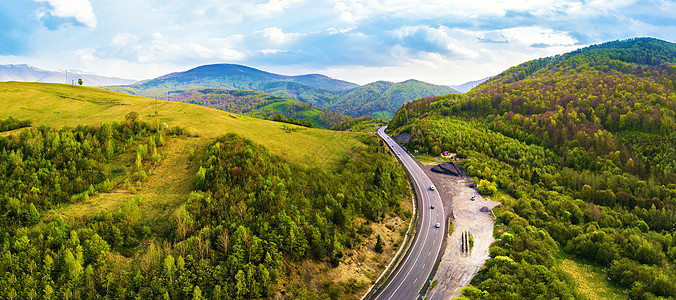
(66, 105)
(590, 280)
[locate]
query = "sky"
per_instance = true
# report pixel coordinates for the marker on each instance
(442, 42)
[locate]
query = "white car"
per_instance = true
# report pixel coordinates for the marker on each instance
(432, 187)
(436, 225)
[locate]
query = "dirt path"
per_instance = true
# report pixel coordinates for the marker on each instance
(456, 269)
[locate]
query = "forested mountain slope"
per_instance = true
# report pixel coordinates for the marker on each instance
(585, 144)
(232, 76)
(379, 99)
(382, 98)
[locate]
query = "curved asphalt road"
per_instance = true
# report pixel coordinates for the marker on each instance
(414, 270)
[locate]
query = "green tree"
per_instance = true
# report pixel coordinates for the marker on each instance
(240, 284)
(33, 214)
(197, 294)
(379, 245)
(79, 81)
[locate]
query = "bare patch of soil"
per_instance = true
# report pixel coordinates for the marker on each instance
(456, 268)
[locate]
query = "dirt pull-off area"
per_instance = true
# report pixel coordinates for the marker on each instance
(457, 267)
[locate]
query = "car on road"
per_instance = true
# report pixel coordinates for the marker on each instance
(473, 197)
(432, 207)
(436, 225)
(432, 187)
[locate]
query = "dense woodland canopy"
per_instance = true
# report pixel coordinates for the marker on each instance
(252, 216)
(584, 143)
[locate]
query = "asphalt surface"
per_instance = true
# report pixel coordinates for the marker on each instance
(413, 271)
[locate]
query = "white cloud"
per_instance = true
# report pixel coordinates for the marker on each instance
(531, 35)
(271, 51)
(441, 40)
(273, 7)
(81, 10)
(355, 11)
(276, 35)
(130, 47)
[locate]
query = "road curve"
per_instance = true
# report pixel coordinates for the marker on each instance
(413, 271)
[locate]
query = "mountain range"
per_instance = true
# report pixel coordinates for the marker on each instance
(26, 73)
(379, 99)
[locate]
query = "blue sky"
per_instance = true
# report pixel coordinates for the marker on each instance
(442, 42)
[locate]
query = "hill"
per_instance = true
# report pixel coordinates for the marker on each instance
(379, 99)
(26, 73)
(60, 105)
(584, 142)
(108, 194)
(230, 76)
(259, 104)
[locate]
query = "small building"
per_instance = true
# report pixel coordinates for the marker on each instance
(447, 154)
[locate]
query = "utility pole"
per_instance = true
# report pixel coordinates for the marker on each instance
(66, 76)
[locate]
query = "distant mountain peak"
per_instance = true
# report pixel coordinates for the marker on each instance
(28, 73)
(467, 86)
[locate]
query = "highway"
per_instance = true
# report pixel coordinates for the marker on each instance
(414, 270)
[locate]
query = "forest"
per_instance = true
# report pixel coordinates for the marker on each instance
(251, 217)
(583, 143)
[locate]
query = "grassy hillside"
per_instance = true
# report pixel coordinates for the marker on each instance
(65, 105)
(100, 201)
(258, 104)
(584, 141)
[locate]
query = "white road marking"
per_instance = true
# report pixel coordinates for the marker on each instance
(410, 165)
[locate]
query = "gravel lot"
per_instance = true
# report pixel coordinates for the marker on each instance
(456, 269)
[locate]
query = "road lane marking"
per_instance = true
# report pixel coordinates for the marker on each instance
(416, 173)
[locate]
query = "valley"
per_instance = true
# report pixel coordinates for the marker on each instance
(229, 182)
